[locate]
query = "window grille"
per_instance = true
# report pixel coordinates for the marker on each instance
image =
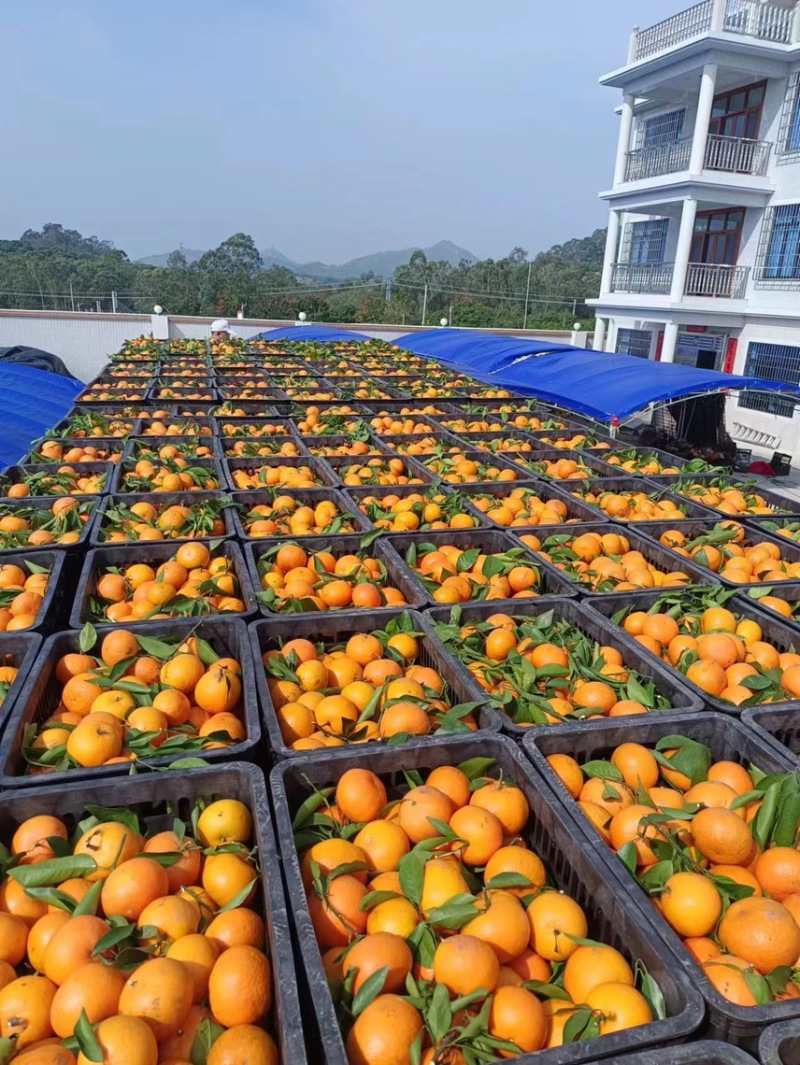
(634, 342)
(661, 129)
(774, 362)
(778, 259)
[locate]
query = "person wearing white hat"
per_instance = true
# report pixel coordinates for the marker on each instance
(221, 329)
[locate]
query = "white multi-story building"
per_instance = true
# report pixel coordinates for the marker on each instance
(702, 262)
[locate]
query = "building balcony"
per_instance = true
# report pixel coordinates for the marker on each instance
(757, 19)
(730, 155)
(710, 280)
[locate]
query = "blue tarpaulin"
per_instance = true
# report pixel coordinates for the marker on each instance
(322, 333)
(594, 383)
(33, 401)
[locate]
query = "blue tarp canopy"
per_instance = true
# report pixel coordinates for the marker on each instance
(320, 333)
(594, 383)
(33, 401)
(486, 353)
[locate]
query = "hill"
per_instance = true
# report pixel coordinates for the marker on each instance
(382, 263)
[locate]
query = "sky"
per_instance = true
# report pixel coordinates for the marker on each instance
(324, 128)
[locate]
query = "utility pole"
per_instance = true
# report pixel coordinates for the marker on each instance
(71, 296)
(527, 293)
(451, 315)
(113, 302)
(425, 303)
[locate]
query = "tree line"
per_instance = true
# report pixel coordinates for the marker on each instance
(59, 269)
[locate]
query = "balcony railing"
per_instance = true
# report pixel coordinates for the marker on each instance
(672, 31)
(753, 18)
(702, 279)
(737, 155)
(717, 280)
(655, 278)
(749, 18)
(732, 155)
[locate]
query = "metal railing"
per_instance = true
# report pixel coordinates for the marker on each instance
(733, 155)
(655, 278)
(737, 155)
(672, 31)
(716, 280)
(753, 18)
(658, 159)
(748, 18)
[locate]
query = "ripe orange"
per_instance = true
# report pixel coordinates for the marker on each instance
(126, 1039)
(132, 886)
(518, 1017)
(158, 992)
(243, 1043)
(762, 932)
(691, 904)
(553, 917)
(25, 1010)
(93, 988)
(465, 964)
(384, 1032)
(240, 986)
(375, 951)
(360, 795)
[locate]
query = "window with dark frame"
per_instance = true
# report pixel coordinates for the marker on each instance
(778, 259)
(737, 113)
(634, 342)
(773, 362)
(789, 132)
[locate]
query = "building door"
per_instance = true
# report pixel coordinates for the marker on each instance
(738, 113)
(706, 359)
(717, 235)
(705, 349)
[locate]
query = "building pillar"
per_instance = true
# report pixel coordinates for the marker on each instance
(599, 335)
(682, 252)
(612, 244)
(705, 104)
(613, 329)
(670, 342)
(624, 142)
(718, 13)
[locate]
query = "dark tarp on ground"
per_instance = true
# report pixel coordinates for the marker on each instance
(33, 401)
(35, 358)
(322, 333)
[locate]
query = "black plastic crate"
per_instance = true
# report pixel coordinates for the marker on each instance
(707, 1052)
(577, 511)
(482, 458)
(151, 553)
(56, 598)
(789, 591)
(110, 445)
(397, 573)
(414, 469)
(322, 472)
(213, 466)
(137, 445)
(336, 627)
(779, 504)
(550, 834)
(681, 699)
(659, 488)
(306, 497)
(697, 527)
(159, 500)
(9, 507)
(530, 461)
(398, 444)
(191, 426)
(70, 801)
(489, 542)
(238, 424)
(324, 446)
(358, 495)
(777, 725)
(66, 429)
(21, 474)
(780, 1044)
(784, 636)
(664, 458)
(542, 438)
(728, 740)
(653, 552)
(39, 696)
(17, 649)
(261, 447)
(224, 410)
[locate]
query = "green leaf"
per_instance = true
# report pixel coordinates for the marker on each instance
(474, 768)
(412, 873)
(54, 871)
(87, 1040)
(627, 855)
(159, 649)
(86, 641)
(113, 938)
(208, 1032)
(52, 897)
(758, 986)
(369, 990)
(604, 770)
(90, 901)
(440, 1014)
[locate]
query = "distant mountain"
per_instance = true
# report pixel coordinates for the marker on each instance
(382, 263)
(192, 255)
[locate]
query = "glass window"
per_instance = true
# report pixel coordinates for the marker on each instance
(634, 342)
(774, 362)
(662, 129)
(648, 241)
(782, 260)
